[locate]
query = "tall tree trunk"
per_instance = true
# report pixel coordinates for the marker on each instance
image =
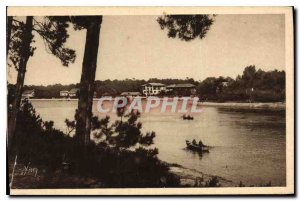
(8, 32)
(24, 54)
(85, 103)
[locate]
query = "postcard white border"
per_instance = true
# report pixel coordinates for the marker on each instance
(289, 60)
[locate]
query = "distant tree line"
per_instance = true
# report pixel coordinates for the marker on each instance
(252, 86)
(111, 87)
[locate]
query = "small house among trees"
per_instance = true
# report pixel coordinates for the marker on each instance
(73, 93)
(28, 94)
(64, 93)
(182, 89)
(130, 94)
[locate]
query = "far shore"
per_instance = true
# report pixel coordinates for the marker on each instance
(271, 106)
(277, 106)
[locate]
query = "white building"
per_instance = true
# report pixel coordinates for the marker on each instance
(64, 93)
(152, 89)
(73, 92)
(28, 94)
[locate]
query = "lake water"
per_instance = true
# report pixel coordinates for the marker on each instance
(247, 146)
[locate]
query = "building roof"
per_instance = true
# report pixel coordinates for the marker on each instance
(187, 85)
(75, 90)
(106, 94)
(28, 91)
(64, 91)
(130, 94)
(154, 84)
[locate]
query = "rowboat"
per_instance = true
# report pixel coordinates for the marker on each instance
(194, 147)
(187, 117)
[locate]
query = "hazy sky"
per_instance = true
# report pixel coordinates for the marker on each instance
(136, 47)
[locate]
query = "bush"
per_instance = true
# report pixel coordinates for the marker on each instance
(247, 96)
(37, 141)
(109, 161)
(213, 182)
(268, 96)
(124, 168)
(120, 158)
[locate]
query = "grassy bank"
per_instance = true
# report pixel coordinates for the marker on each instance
(28, 176)
(194, 178)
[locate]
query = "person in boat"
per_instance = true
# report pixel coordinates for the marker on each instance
(200, 144)
(194, 142)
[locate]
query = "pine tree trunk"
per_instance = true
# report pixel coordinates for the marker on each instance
(8, 32)
(24, 54)
(85, 103)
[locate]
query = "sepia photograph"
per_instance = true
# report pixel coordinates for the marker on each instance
(150, 100)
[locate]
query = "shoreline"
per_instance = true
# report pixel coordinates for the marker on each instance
(276, 106)
(189, 177)
(268, 106)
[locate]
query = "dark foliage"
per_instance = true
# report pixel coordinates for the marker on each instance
(117, 159)
(129, 132)
(109, 87)
(19, 49)
(120, 134)
(53, 30)
(83, 22)
(124, 168)
(186, 27)
(15, 51)
(37, 142)
(253, 86)
(213, 182)
(267, 87)
(50, 91)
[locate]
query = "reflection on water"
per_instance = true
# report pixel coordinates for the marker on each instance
(247, 146)
(197, 154)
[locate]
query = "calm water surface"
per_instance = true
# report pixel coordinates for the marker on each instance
(247, 146)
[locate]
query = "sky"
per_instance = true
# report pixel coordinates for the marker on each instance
(136, 47)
